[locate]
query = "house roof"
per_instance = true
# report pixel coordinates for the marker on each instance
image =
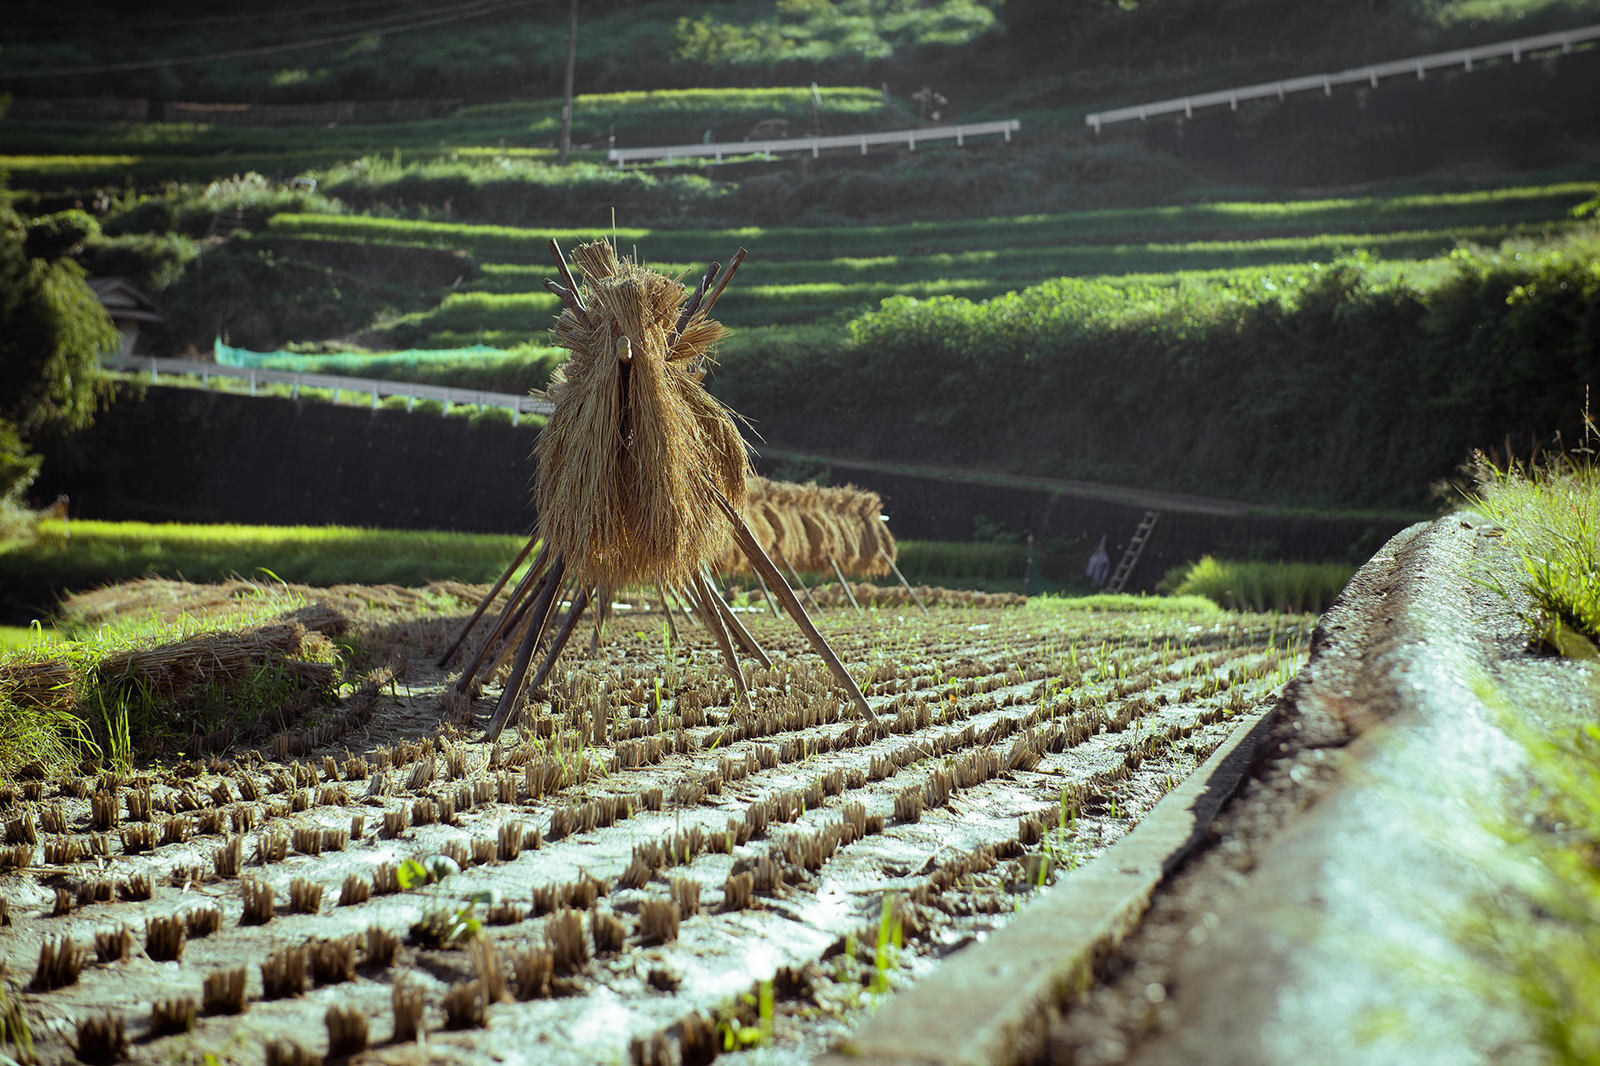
(123, 300)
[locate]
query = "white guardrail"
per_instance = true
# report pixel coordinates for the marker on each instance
(815, 145)
(1564, 41)
(412, 391)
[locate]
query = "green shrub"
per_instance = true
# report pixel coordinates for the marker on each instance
(153, 261)
(53, 236)
(1288, 588)
(1237, 383)
(244, 200)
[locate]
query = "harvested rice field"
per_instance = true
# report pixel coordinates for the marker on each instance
(642, 869)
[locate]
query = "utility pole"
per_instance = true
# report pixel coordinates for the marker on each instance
(566, 91)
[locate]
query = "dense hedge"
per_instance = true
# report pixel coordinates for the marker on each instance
(1343, 384)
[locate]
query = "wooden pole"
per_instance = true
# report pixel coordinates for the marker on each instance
(677, 601)
(666, 609)
(763, 565)
(914, 597)
(579, 602)
(509, 646)
(530, 637)
(843, 583)
(483, 604)
(700, 597)
(802, 585)
(566, 84)
(772, 608)
(736, 627)
(567, 280)
(733, 265)
(602, 615)
(532, 584)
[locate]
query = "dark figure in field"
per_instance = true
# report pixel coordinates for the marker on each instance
(1099, 565)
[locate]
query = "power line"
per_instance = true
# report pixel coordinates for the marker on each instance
(55, 31)
(483, 7)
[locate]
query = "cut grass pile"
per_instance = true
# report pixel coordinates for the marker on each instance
(142, 683)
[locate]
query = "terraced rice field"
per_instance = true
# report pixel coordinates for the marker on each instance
(641, 862)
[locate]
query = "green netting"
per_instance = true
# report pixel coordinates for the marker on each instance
(355, 364)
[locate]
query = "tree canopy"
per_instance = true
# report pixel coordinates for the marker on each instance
(52, 331)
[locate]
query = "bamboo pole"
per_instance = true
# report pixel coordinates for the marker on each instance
(736, 627)
(700, 597)
(914, 597)
(844, 584)
(483, 604)
(530, 637)
(763, 565)
(568, 624)
(666, 609)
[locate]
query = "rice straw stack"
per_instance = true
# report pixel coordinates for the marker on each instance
(642, 476)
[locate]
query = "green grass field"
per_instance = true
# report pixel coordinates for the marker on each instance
(83, 554)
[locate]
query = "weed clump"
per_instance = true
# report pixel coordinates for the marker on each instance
(406, 1000)
(283, 973)
(347, 1031)
(355, 890)
(258, 901)
(113, 944)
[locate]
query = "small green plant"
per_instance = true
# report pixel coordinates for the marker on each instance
(14, 1027)
(736, 1034)
(886, 953)
(1549, 513)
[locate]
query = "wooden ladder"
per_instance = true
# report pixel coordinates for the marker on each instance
(1130, 557)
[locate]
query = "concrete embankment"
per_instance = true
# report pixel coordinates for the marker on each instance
(1322, 920)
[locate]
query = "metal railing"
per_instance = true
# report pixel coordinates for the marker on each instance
(815, 145)
(413, 391)
(1562, 41)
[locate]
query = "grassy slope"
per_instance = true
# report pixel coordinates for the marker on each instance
(797, 275)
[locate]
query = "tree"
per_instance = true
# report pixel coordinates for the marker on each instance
(52, 331)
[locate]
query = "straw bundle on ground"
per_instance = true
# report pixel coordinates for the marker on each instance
(642, 474)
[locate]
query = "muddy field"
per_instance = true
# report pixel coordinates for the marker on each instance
(643, 869)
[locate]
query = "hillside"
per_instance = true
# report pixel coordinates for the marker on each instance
(416, 215)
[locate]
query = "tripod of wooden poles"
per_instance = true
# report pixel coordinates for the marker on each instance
(525, 619)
